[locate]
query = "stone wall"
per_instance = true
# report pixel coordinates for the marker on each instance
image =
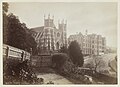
(41, 61)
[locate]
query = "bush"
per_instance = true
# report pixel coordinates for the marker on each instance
(68, 67)
(63, 64)
(18, 73)
(76, 54)
(59, 60)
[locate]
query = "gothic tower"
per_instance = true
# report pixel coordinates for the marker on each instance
(49, 21)
(49, 33)
(62, 27)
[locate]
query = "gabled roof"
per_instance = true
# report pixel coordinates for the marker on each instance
(37, 29)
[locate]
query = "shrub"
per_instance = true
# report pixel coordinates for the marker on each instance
(20, 72)
(68, 67)
(59, 60)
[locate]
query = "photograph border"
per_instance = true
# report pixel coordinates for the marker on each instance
(81, 85)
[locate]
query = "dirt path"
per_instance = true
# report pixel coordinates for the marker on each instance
(57, 79)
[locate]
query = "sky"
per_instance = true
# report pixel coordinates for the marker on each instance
(95, 17)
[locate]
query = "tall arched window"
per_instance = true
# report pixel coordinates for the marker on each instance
(57, 45)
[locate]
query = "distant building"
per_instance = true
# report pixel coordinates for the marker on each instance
(89, 43)
(49, 37)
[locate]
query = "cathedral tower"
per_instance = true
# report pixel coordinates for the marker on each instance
(49, 21)
(49, 33)
(49, 38)
(62, 27)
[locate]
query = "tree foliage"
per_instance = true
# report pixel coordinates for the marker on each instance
(5, 7)
(59, 60)
(16, 33)
(76, 53)
(5, 22)
(96, 63)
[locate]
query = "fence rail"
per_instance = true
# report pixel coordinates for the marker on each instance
(12, 52)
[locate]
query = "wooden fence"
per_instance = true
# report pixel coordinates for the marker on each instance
(14, 53)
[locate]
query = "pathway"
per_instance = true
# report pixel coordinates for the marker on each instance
(57, 79)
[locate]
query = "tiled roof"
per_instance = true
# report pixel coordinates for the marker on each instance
(37, 29)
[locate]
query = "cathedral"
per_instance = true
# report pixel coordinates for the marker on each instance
(49, 38)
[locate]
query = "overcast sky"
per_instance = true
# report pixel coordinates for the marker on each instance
(99, 17)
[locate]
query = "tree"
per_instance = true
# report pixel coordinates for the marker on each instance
(113, 65)
(96, 63)
(16, 33)
(5, 7)
(76, 53)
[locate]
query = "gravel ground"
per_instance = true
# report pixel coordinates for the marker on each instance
(57, 79)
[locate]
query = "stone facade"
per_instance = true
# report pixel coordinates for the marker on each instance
(48, 37)
(90, 43)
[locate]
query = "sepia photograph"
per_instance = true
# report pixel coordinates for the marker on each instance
(59, 43)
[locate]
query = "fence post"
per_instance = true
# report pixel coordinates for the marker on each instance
(22, 56)
(7, 52)
(30, 56)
